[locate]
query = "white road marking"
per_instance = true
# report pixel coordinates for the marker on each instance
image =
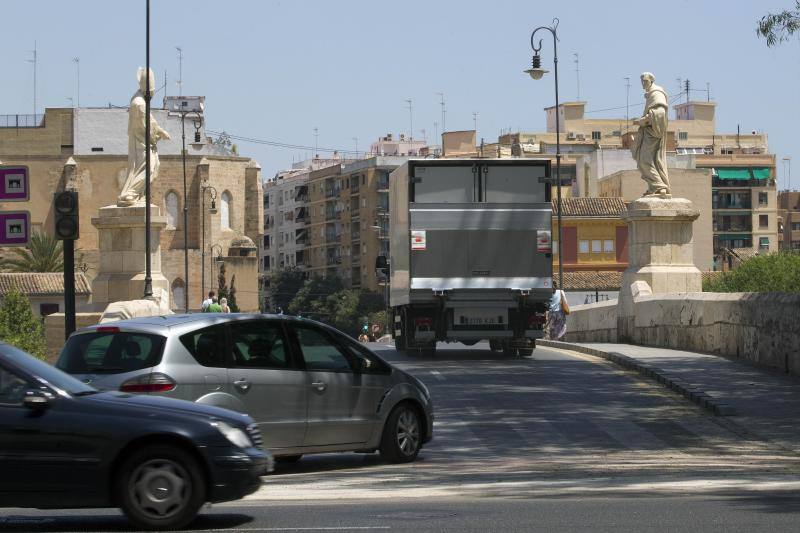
(321, 528)
(438, 375)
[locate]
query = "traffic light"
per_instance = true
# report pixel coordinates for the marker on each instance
(66, 207)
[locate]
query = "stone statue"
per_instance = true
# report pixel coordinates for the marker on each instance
(649, 147)
(133, 190)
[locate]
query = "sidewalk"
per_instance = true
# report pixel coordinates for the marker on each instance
(763, 402)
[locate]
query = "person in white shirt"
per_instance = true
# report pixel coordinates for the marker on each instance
(556, 326)
(207, 301)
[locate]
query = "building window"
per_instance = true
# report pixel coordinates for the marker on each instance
(178, 294)
(583, 247)
(795, 226)
(763, 243)
(608, 246)
(596, 246)
(225, 210)
(763, 221)
(171, 204)
(48, 309)
(683, 135)
(763, 199)
(595, 135)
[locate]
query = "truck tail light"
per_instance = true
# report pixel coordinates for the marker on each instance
(423, 322)
(153, 382)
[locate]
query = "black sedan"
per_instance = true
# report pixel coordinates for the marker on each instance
(64, 444)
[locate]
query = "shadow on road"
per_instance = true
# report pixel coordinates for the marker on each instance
(19, 522)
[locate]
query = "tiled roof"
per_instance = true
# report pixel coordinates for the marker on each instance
(590, 207)
(41, 283)
(590, 280)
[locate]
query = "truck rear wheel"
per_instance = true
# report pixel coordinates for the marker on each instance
(525, 352)
(495, 346)
(428, 351)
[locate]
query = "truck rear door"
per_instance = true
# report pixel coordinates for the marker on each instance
(479, 225)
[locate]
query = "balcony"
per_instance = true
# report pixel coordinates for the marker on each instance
(21, 121)
(329, 261)
(731, 205)
(732, 228)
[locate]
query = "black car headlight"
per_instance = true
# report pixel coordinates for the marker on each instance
(235, 436)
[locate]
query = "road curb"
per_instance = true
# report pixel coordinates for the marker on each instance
(691, 392)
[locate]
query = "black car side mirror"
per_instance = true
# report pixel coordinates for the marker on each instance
(37, 400)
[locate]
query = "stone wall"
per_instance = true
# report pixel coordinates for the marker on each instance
(757, 327)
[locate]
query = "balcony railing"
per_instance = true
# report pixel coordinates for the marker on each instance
(731, 205)
(733, 228)
(21, 121)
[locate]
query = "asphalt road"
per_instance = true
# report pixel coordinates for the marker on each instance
(557, 442)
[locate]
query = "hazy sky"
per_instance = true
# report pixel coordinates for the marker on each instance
(276, 70)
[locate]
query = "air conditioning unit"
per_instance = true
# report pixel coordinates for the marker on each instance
(571, 136)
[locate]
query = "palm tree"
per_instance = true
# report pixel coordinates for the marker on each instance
(43, 254)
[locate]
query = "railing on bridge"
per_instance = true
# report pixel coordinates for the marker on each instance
(21, 121)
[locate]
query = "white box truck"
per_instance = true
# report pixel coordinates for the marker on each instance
(470, 253)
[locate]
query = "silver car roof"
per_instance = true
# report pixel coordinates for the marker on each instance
(167, 325)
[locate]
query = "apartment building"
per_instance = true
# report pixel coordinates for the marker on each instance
(743, 189)
(349, 209)
(789, 206)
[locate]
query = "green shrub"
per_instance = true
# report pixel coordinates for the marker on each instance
(776, 272)
(19, 326)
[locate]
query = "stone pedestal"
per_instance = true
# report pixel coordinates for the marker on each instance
(661, 253)
(121, 236)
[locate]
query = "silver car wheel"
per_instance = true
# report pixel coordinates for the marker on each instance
(160, 488)
(408, 432)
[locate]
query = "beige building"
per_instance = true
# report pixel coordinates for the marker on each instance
(45, 290)
(89, 147)
(743, 196)
(789, 206)
(349, 220)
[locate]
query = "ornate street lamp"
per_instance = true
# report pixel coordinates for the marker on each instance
(196, 144)
(537, 72)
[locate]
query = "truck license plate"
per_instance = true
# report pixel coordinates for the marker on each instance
(480, 317)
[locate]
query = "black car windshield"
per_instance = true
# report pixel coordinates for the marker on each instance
(42, 370)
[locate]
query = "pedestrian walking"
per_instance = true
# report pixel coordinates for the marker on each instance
(556, 325)
(214, 307)
(223, 303)
(207, 301)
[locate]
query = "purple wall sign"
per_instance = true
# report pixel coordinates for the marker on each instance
(15, 228)
(14, 184)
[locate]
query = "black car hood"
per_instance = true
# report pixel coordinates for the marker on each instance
(147, 406)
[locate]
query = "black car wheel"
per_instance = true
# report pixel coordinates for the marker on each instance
(161, 487)
(402, 435)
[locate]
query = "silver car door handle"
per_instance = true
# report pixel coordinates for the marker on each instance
(242, 384)
(319, 385)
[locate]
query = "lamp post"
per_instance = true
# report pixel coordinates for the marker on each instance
(148, 277)
(536, 72)
(212, 210)
(377, 227)
(197, 124)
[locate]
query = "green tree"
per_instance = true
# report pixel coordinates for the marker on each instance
(776, 28)
(43, 254)
(222, 284)
(776, 272)
(283, 285)
(311, 299)
(19, 326)
(232, 296)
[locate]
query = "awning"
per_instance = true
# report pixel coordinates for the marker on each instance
(729, 237)
(734, 174)
(761, 173)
